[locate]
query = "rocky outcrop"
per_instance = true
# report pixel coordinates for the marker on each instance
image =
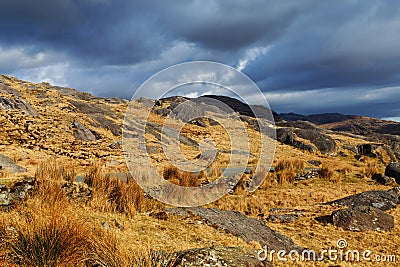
(363, 218)
(17, 103)
(98, 113)
(157, 130)
(234, 222)
(366, 150)
(283, 218)
(219, 256)
(77, 191)
(393, 170)
(308, 131)
(8, 165)
(10, 195)
(380, 199)
(82, 133)
(382, 179)
(324, 143)
(287, 136)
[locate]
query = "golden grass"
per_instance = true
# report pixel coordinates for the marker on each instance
(113, 194)
(286, 176)
(54, 170)
(182, 178)
(50, 235)
(287, 169)
(369, 170)
(4, 174)
(290, 164)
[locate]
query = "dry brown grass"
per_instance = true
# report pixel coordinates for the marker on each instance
(55, 171)
(48, 236)
(202, 175)
(286, 176)
(326, 173)
(113, 194)
(287, 169)
(182, 178)
(4, 174)
(347, 170)
(369, 170)
(215, 173)
(290, 164)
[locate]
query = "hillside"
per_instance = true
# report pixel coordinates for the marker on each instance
(62, 156)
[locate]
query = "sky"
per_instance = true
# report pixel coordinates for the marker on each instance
(306, 56)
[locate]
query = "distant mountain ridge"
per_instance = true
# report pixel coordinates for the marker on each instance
(319, 119)
(347, 123)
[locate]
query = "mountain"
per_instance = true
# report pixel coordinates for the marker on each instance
(317, 118)
(62, 150)
(360, 125)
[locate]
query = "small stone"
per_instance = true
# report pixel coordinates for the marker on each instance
(105, 225)
(282, 218)
(161, 215)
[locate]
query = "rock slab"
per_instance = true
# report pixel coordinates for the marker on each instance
(393, 170)
(363, 218)
(380, 199)
(247, 228)
(218, 257)
(8, 164)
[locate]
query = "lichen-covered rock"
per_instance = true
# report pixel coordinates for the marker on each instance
(380, 199)
(14, 193)
(77, 191)
(247, 228)
(393, 170)
(363, 218)
(219, 257)
(82, 133)
(17, 103)
(7, 164)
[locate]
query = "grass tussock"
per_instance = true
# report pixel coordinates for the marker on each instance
(295, 165)
(112, 194)
(287, 169)
(181, 178)
(49, 236)
(369, 170)
(326, 173)
(55, 171)
(286, 176)
(4, 173)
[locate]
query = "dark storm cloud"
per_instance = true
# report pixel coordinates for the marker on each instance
(296, 51)
(95, 31)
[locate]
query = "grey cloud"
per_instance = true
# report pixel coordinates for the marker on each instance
(111, 47)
